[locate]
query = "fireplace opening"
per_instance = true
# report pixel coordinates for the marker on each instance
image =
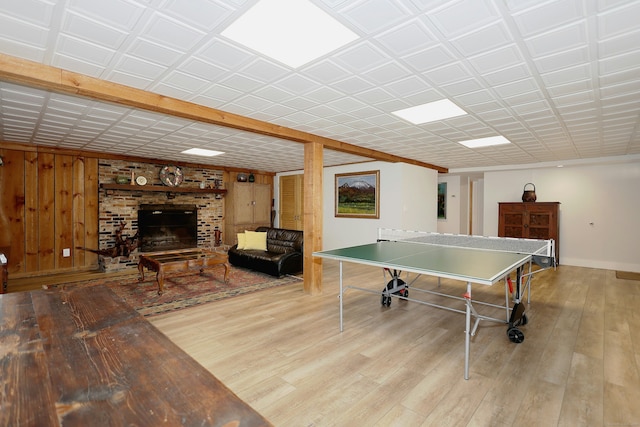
(167, 227)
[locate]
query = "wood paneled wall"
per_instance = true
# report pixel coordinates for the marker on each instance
(49, 203)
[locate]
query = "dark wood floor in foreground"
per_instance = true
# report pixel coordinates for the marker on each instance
(281, 351)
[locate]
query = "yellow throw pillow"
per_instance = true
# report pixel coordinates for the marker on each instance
(242, 241)
(256, 240)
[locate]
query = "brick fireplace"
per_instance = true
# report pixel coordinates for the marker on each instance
(116, 206)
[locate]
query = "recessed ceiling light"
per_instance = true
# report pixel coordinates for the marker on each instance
(485, 142)
(202, 152)
(293, 32)
(431, 112)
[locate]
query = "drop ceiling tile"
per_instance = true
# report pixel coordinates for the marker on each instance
(276, 110)
(507, 75)
(619, 21)
(168, 32)
(457, 18)
(545, 16)
(484, 39)
(264, 71)
(504, 57)
(120, 14)
(516, 88)
(577, 98)
(406, 38)
(448, 74)
(353, 85)
(433, 58)
(225, 55)
(22, 32)
(618, 45)
(566, 59)
(136, 66)
(620, 89)
(154, 52)
(617, 64)
(128, 79)
(35, 12)
(567, 89)
(96, 32)
(361, 57)
(566, 38)
(461, 87)
(78, 65)
(386, 74)
(240, 83)
(374, 15)
(204, 15)
(219, 94)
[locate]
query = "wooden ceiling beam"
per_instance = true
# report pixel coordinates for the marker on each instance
(34, 74)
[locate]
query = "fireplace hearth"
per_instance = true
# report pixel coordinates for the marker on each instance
(167, 227)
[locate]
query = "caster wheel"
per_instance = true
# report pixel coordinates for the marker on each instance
(515, 335)
(405, 293)
(385, 301)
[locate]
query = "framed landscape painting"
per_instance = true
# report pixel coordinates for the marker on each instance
(358, 195)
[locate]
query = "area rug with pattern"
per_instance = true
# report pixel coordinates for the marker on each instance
(188, 289)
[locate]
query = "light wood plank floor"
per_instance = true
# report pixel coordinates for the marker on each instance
(281, 351)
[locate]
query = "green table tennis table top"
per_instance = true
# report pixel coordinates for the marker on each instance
(466, 264)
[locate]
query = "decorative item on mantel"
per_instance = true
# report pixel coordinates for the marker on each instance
(122, 180)
(242, 177)
(529, 195)
(252, 178)
(171, 176)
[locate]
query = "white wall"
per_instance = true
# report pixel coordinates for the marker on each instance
(599, 210)
(408, 200)
(607, 195)
(477, 212)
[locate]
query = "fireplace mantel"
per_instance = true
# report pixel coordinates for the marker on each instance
(160, 189)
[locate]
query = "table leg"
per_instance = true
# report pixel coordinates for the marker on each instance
(467, 334)
(340, 297)
(140, 271)
(160, 280)
(227, 266)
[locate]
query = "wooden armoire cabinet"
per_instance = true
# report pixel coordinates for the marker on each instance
(531, 220)
(291, 202)
(247, 207)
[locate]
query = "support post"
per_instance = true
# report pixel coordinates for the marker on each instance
(313, 170)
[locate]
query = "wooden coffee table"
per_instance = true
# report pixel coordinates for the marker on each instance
(180, 260)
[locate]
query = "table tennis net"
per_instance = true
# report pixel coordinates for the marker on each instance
(541, 248)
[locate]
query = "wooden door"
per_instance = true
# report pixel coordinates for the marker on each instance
(262, 204)
(291, 202)
(243, 202)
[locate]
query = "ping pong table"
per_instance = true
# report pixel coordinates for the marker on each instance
(476, 260)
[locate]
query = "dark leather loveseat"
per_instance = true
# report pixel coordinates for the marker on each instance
(283, 255)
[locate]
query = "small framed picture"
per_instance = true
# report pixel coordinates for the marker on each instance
(442, 200)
